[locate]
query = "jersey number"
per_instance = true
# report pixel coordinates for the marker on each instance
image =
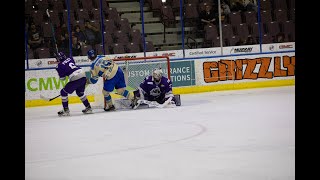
(103, 63)
(72, 66)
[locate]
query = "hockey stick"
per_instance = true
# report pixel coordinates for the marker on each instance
(52, 29)
(48, 99)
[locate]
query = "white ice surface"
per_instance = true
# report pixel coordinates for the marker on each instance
(231, 135)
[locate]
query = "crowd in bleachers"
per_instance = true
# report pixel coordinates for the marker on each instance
(239, 24)
(239, 20)
(85, 20)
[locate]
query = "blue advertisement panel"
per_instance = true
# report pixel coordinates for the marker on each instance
(182, 73)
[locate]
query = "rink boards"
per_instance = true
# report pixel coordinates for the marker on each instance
(188, 75)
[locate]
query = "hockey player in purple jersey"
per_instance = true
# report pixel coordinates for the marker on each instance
(77, 82)
(155, 88)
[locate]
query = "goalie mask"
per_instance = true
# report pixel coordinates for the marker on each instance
(157, 75)
(61, 56)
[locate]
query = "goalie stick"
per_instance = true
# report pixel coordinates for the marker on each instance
(52, 30)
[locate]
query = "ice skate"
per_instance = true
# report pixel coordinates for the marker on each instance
(64, 112)
(110, 108)
(135, 103)
(87, 110)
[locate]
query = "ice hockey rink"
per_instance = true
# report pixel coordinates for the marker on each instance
(229, 135)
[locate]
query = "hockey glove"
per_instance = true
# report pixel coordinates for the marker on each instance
(93, 79)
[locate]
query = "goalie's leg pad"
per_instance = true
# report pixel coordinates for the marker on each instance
(136, 103)
(177, 99)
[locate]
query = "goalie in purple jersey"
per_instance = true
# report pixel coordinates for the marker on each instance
(77, 82)
(155, 88)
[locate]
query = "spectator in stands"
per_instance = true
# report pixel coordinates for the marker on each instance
(279, 38)
(79, 34)
(35, 38)
(226, 8)
(62, 37)
(207, 17)
(251, 6)
(237, 6)
(76, 47)
(223, 16)
(250, 41)
(241, 42)
(92, 33)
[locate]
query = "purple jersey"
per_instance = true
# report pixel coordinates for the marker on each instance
(67, 68)
(156, 92)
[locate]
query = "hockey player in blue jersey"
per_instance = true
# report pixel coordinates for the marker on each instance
(77, 82)
(113, 77)
(157, 88)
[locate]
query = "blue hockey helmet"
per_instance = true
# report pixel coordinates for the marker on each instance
(61, 56)
(91, 54)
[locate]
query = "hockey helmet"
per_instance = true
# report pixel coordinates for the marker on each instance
(61, 56)
(91, 54)
(157, 74)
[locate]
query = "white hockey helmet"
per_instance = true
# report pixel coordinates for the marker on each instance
(157, 74)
